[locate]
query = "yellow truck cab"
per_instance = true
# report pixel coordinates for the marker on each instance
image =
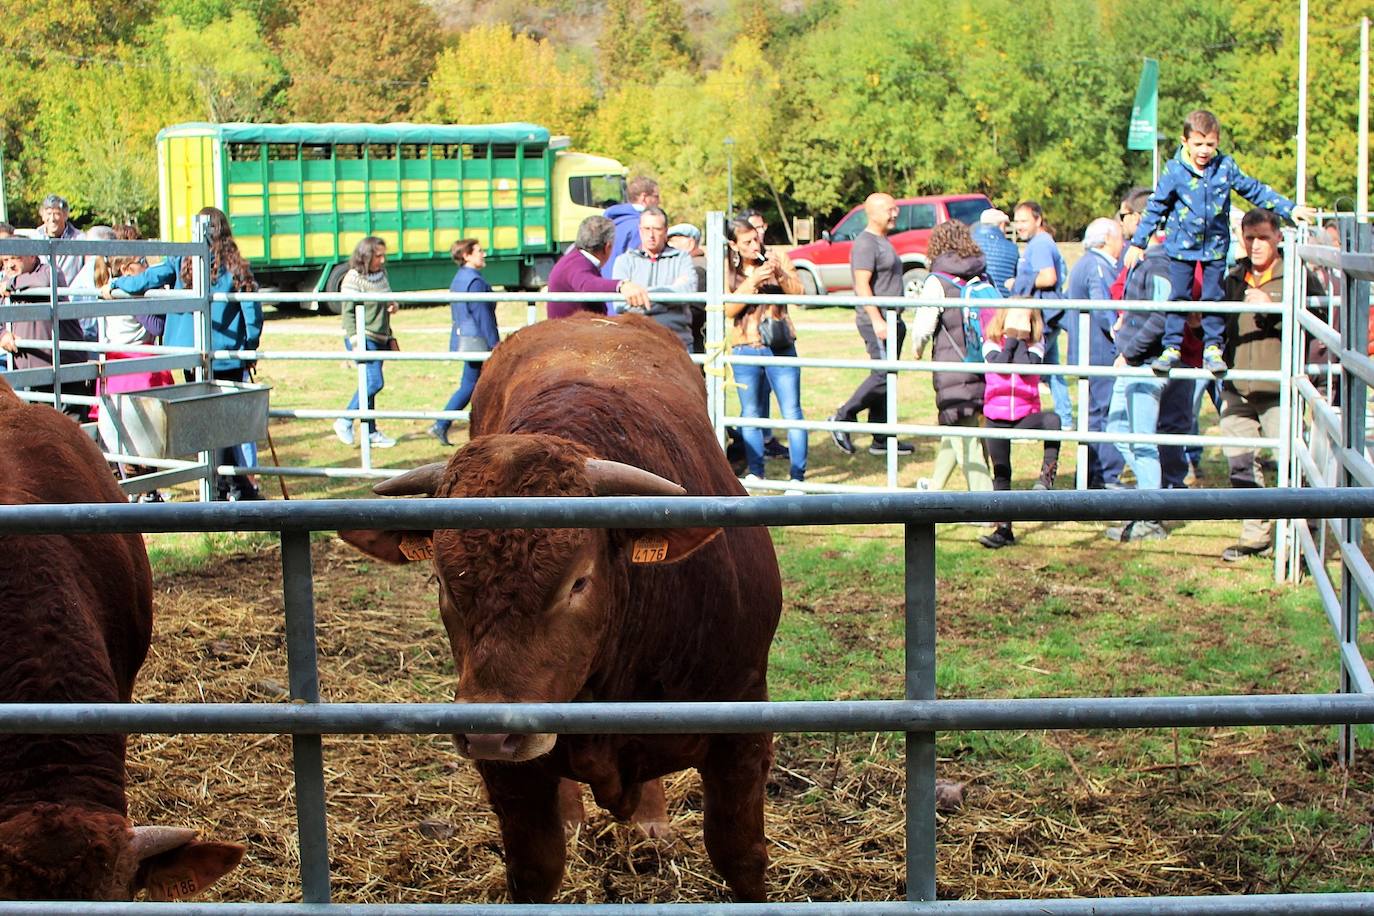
(300, 196)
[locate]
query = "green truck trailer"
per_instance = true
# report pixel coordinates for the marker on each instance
(300, 196)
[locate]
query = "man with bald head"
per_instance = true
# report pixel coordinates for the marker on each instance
(877, 271)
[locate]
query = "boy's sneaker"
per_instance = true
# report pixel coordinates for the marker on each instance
(343, 430)
(775, 449)
(1212, 361)
(1166, 361)
(1146, 531)
(880, 448)
(379, 439)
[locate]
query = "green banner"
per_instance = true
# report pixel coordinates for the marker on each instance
(1145, 112)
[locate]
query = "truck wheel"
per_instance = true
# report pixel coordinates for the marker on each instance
(913, 278)
(808, 282)
(331, 285)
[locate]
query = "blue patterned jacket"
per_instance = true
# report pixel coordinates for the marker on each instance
(1194, 207)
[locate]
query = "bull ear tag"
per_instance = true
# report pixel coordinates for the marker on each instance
(417, 547)
(649, 550)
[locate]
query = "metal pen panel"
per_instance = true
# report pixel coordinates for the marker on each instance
(919, 548)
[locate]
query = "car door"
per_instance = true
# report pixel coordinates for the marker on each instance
(833, 261)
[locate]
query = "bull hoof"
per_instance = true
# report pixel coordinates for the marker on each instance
(660, 831)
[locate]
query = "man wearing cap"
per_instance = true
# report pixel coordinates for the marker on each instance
(659, 268)
(1000, 252)
(686, 237)
(56, 224)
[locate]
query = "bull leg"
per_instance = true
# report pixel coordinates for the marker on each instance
(651, 814)
(526, 801)
(733, 780)
(570, 807)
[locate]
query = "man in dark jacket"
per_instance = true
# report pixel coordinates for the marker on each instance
(1135, 401)
(1254, 341)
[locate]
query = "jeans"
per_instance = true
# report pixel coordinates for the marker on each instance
(785, 382)
(1181, 279)
(245, 454)
(375, 382)
(460, 398)
(1059, 387)
(1135, 409)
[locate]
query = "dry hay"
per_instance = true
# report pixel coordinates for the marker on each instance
(408, 821)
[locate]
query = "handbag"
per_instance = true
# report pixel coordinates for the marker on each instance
(775, 333)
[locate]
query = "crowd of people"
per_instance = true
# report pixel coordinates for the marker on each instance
(986, 301)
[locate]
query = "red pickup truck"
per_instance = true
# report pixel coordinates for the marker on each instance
(824, 265)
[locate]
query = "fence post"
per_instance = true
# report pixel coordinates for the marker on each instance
(891, 348)
(364, 439)
(56, 328)
(1288, 369)
(1085, 317)
(307, 751)
(202, 338)
(920, 685)
(1354, 396)
(716, 365)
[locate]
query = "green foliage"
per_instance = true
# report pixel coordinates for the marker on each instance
(226, 63)
(493, 74)
(641, 39)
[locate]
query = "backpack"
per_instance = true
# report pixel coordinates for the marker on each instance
(975, 288)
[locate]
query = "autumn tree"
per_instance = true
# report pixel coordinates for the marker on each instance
(359, 60)
(641, 39)
(226, 64)
(494, 74)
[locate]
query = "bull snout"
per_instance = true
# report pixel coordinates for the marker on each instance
(490, 747)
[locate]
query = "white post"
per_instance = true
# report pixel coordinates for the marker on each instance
(203, 336)
(715, 365)
(1301, 184)
(1362, 171)
(360, 328)
(1085, 317)
(1290, 372)
(893, 316)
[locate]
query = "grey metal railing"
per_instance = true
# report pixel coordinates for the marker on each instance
(919, 715)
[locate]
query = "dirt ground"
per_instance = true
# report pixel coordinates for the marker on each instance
(408, 821)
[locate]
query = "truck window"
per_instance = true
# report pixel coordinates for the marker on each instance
(599, 191)
(967, 211)
(245, 152)
(348, 151)
(413, 151)
(381, 151)
(316, 151)
(915, 216)
(280, 151)
(850, 227)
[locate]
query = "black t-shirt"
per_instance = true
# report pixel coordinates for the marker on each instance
(875, 253)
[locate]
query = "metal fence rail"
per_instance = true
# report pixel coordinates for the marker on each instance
(919, 715)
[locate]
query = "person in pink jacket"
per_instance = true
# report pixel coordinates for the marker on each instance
(1014, 336)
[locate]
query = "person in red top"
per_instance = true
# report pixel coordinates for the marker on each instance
(579, 271)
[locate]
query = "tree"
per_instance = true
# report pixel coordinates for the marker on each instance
(493, 74)
(227, 65)
(641, 39)
(359, 60)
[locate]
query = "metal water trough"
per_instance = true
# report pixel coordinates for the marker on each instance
(184, 419)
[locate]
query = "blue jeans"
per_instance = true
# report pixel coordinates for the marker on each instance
(1181, 279)
(375, 382)
(785, 382)
(1135, 409)
(460, 398)
(1059, 387)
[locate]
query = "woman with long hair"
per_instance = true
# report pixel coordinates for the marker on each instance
(951, 325)
(763, 330)
(474, 325)
(233, 326)
(367, 274)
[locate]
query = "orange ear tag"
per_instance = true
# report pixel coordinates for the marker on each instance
(649, 550)
(174, 884)
(417, 546)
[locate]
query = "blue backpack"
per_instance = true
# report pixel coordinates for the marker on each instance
(975, 288)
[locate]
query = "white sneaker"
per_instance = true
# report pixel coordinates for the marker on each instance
(343, 430)
(794, 490)
(752, 480)
(379, 439)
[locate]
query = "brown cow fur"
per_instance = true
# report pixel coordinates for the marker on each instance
(77, 618)
(551, 396)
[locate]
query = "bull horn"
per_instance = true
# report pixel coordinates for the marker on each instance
(611, 478)
(150, 841)
(422, 481)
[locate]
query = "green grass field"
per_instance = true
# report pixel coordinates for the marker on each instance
(1062, 613)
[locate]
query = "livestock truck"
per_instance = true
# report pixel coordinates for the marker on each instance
(301, 196)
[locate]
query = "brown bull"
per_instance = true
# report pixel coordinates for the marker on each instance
(581, 407)
(76, 614)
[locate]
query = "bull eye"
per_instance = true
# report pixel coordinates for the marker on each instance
(578, 585)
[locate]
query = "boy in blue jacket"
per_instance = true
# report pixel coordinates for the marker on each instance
(1193, 204)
